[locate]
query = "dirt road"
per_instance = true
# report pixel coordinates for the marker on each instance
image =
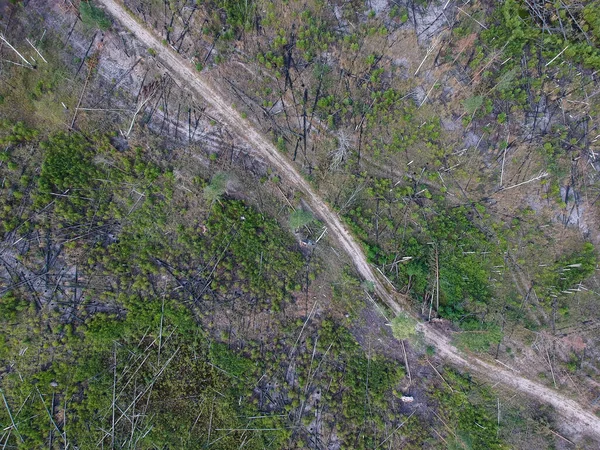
(580, 421)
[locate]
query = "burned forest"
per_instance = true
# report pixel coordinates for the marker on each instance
(319, 224)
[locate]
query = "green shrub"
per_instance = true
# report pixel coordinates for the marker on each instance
(217, 187)
(591, 15)
(300, 218)
(93, 16)
(404, 327)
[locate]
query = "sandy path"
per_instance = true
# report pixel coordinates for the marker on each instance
(580, 421)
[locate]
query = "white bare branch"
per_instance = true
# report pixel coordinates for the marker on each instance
(537, 177)
(27, 63)
(345, 142)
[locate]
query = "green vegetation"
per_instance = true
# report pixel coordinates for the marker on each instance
(217, 187)
(239, 14)
(300, 218)
(148, 351)
(68, 179)
(478, 337)
(520, 29)
(568, 272)
(93, 16)
(450, 243)
(464, 409)
(404, 327)
(591, 15)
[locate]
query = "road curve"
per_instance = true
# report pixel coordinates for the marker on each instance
(580, 420)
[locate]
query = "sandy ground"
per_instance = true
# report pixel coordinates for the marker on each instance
(578, 421)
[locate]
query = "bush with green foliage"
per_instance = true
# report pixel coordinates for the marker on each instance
(591, 15)
(216, 188)
(93, 16)
(300, 218)
(404, 327)
(68, 177)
